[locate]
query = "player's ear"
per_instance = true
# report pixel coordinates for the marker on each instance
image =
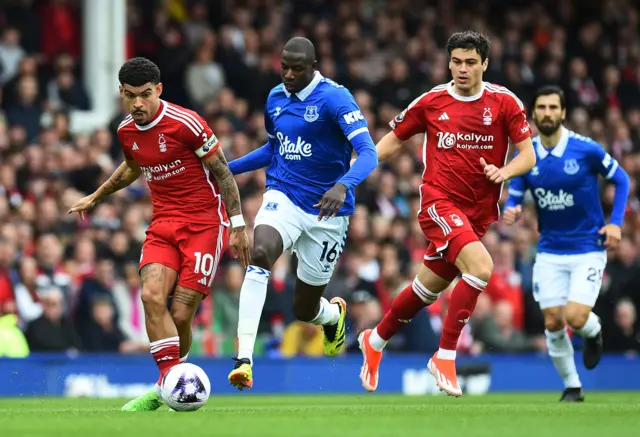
(159, 88)
(485, 64)
(121, 90)
(564, 114)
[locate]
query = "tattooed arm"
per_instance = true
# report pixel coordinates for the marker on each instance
(124, 176)
(217, 164)
(238, 239)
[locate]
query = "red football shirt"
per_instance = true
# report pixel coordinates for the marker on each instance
(459, 130)
(170, 150)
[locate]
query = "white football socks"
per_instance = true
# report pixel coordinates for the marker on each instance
(591, 328)
(561, 353)
(329, 313)
(377, 343)
(252, 297)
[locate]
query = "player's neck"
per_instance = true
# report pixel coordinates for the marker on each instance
(467, 93)
(550, 141)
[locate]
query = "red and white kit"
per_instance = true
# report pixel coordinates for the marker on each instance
(458, 202)
(189, 222)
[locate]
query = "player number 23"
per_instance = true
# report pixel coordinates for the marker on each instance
(204, 263)
(595, 275)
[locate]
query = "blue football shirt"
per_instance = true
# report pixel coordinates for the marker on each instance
(564, 186)
(310, 133)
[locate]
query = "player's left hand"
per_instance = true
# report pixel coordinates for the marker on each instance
(493, 173)
(331, 202)
(239, 242)
(612, 234)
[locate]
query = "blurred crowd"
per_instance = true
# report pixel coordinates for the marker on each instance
(72, 285)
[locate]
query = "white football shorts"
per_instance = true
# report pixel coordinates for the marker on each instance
(317, 244)
(558, 279)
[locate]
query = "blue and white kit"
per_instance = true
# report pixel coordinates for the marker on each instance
(564, 184)
(312, 135)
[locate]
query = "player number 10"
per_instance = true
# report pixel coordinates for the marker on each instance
(204, 263)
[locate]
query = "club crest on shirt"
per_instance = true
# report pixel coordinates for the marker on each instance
(311, 114)
(571, 166)
(487, 117)
(162, 143)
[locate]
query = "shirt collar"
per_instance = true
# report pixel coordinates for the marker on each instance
(306, 91)
(559, 148)
(457, 96)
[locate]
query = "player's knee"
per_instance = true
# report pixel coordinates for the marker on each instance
(474, 260)
(153, 300)
(553, 324)
(481, 269)
(576, 318)
(262, 256)
(182, 319)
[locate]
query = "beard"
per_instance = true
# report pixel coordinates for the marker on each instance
(549, 127)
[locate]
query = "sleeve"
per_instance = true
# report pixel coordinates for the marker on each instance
(197, 135)
(347, 114)
(411, 121)
(605, 165)
(516, 118)
(125, 151)
(517, 188)
(355, 128)
(260, 157)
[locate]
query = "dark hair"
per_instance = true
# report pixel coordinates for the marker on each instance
(138, 71)
(549, 90)
(467, 40)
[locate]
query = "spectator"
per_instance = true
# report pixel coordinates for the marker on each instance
(625, 336)
(223, 64)
(53, 331)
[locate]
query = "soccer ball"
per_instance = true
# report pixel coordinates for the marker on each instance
(185, 387)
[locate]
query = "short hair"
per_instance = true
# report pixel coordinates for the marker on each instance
(138, 71)
(470, 39)
(549, 90)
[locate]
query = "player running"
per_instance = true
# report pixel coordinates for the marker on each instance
(467, 124)
(567, 274)
(193, 192)
(313, 125)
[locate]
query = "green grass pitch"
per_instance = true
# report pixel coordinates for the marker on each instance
(495, 415)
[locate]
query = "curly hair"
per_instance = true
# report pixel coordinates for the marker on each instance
(138, 71)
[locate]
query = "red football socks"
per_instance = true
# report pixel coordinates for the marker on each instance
(463, 302)
(166, 352)
(404, 307)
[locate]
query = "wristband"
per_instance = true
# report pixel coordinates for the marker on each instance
(237, 221)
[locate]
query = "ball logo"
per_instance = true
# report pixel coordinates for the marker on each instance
(189, 389)
(446, 140)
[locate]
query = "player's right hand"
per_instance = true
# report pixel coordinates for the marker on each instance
(493, 173)
(84, 204)
(239, 242)
(511, 214)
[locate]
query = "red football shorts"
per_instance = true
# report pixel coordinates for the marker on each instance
(193, 250)
(448, 229)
